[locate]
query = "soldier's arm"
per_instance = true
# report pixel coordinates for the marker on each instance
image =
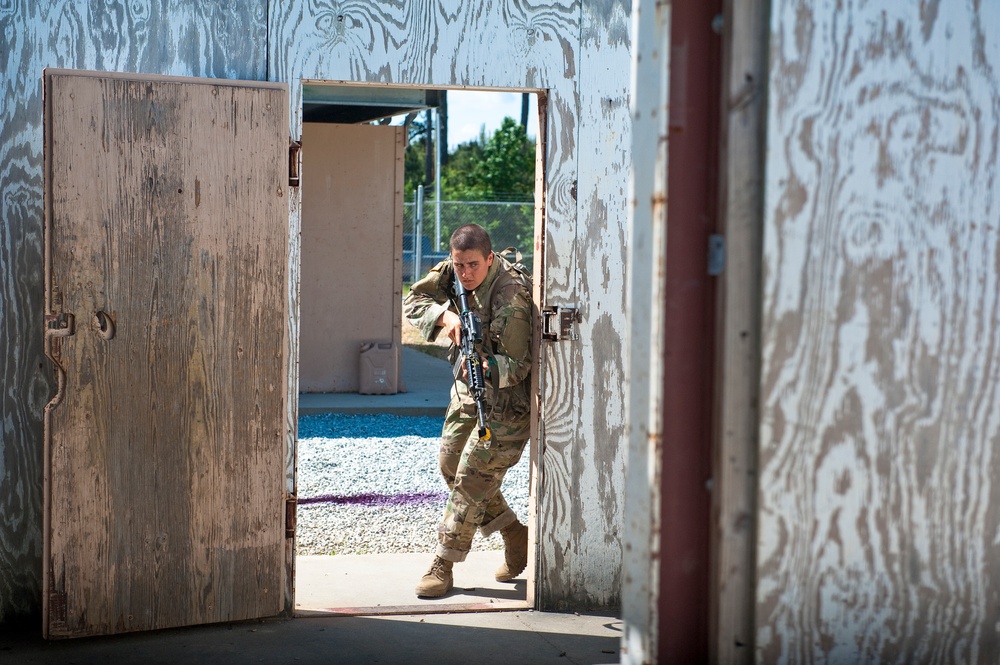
(427, 301)
(511, 330)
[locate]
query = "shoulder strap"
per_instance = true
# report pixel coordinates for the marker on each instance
(509, 272)
(514, 261)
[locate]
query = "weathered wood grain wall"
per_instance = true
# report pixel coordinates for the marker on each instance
(879, 515)
(222, 40)
(576, 51)
(579, 54)
(582, 561)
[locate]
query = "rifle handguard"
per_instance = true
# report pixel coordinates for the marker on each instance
(472, 337)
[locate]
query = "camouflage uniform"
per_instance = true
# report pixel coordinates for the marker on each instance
(474, 469)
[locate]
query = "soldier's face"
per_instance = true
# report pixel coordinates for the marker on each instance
(471, 266)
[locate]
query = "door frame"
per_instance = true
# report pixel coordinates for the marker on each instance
(538, 295)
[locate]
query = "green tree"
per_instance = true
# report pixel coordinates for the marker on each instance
(507, 166)
(413, 158)
(500, 167)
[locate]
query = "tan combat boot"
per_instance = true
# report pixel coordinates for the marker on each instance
(437, 581)
(515, 552)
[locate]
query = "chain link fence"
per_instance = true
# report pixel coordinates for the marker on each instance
(509, 223)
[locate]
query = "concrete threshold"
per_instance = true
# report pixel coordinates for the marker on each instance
(383, 584)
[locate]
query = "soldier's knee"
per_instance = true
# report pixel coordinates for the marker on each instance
(449, 467)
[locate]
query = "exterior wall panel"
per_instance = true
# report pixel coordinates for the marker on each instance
(427, 43)
(879, 499)
(513, 45)
(586, 568)
(166, 37)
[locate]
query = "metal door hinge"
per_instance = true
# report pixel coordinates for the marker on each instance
(566, 317)
(716, 254)
(291, 505)
(294, 148)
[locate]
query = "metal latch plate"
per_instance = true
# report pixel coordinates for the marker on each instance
(558, 323)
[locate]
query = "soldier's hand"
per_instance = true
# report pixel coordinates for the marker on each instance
(452, 325)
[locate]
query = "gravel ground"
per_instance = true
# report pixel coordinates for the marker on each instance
(371, 484)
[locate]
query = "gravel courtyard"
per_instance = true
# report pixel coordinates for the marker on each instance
(370, 484)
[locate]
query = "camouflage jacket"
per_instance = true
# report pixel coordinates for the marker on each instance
(506, 329)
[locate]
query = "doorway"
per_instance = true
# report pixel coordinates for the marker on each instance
(371, 565)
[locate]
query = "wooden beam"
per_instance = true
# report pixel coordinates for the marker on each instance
(738, 362)
(645, 337)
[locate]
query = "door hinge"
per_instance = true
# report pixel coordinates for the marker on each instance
(716, 254)
(294, 148)
(291, 504)
(564, 329)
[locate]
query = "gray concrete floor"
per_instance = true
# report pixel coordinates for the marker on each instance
(362, 609)
(511, 638)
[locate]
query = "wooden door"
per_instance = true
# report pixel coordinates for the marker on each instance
(166, 295)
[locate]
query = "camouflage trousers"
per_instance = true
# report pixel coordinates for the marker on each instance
(474, 473)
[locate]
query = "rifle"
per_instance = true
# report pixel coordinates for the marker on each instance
(472, 339)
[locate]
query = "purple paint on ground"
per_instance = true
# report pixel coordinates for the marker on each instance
(374, 499)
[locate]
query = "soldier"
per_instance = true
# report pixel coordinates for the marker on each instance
(500, 294)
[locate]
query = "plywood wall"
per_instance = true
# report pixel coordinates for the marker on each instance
(582, 538)
(163, 37)
(879, 516)
(577, 52)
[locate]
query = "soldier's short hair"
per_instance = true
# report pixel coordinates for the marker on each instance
(471, 236)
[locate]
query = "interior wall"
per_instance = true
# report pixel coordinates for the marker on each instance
(351, 268)
(187, 39)
(879, 499)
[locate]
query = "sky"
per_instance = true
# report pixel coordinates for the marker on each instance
(470, 110)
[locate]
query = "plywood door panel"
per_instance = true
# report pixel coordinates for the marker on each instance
(583, 455)
(351, 272)
(166, 244)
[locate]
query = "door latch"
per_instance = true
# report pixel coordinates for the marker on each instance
(60, 324)
(558, 323)
(716, 254)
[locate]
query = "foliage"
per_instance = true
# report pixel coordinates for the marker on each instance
(413, 169)
(498, 168)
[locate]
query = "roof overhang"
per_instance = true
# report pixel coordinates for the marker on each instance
(353, 104)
